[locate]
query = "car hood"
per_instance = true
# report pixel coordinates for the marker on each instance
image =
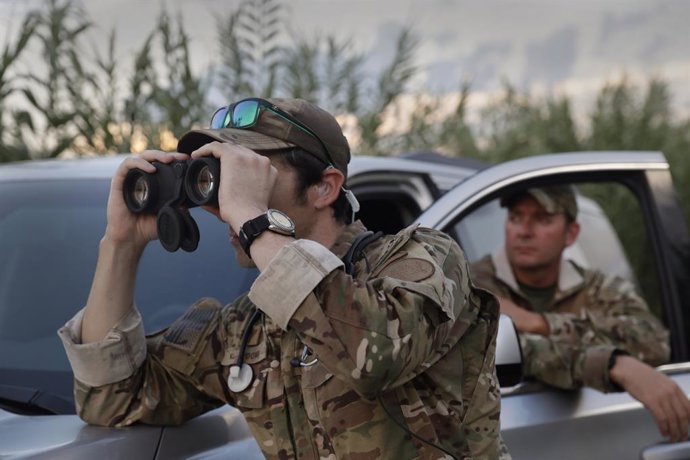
(219, 434)
(67, 437)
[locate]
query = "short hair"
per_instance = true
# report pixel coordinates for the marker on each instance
(309, 172)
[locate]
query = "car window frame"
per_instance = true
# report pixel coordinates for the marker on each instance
(646, 174)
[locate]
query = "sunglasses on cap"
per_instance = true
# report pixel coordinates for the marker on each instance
(245, 114)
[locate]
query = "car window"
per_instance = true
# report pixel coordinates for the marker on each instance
(49, 237)
(613, 236)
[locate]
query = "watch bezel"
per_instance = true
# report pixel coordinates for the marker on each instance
(285, 228)
(251, 229)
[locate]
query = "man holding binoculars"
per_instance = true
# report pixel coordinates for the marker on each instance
(348, 344)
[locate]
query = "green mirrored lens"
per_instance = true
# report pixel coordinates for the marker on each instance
(220, 118)
(245, 114)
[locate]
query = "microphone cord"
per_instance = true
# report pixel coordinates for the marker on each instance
(411, 433)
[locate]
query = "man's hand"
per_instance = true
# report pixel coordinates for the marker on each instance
(126, 236)
(658, 393)
(524, 320)
(123, 225)
(246, 181)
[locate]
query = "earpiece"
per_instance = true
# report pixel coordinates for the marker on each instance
(323, 188)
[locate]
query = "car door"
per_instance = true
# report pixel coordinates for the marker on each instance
(394, 191)
(540, 422)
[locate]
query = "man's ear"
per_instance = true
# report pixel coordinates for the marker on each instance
(327, 190)
(571, 233)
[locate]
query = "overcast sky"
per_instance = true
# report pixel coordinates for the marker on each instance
(554, 45)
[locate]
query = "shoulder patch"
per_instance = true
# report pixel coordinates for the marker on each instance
(409, 269)
(187, 331)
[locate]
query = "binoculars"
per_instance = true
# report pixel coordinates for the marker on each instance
(169, 193)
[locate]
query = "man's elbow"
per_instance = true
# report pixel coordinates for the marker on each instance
(99, 418)
(656, 355)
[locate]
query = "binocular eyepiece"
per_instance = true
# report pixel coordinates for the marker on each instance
(169, 193)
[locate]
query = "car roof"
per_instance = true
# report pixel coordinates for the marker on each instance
(83, 168)
(435, 157)
(103, 167)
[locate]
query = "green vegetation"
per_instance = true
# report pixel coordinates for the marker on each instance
(88, 102)
(83, 101)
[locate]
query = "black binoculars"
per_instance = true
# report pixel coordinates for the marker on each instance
(169, 193)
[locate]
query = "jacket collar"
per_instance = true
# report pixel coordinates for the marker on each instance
(348, 235)
(568, 276)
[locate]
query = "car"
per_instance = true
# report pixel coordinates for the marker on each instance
(538, 422)
(52, 214)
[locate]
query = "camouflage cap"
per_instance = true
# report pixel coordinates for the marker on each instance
(554, 200)
(272, 132)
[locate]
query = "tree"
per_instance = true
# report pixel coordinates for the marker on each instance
(390, 85)
(10, 123)
(48, 127)
(250, 48)
(256, 59)
(166, 98)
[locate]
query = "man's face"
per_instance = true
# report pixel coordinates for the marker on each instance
(284, 197)
(535, 239)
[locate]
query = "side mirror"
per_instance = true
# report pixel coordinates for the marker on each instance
(508, 353)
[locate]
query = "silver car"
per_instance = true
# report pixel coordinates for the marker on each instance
(538, 422)
(52, 215)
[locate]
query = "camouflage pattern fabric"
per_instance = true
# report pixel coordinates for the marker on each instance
(587, 323)
(409, 338)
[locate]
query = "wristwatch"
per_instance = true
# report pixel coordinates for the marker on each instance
(273, 220)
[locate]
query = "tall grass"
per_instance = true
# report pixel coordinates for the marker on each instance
(83, 100)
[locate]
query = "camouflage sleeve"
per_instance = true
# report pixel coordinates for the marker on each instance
(164, 388)
(615, 315)
(565, 365)
(579, 347)
(616, 318)
(379, 332)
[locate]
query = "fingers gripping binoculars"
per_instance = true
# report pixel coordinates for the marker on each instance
(170, 192)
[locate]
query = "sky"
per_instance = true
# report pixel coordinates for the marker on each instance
(568, 47)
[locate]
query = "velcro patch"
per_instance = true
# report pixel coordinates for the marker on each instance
(409, 269)
(186, 332)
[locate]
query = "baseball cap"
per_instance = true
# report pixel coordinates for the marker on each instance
(273, 132)
(555, 199)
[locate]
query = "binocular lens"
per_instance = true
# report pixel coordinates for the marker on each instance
(140, 194)
(201, 181)
(205, 182)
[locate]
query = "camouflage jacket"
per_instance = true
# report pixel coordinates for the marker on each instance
(408, 338)
(590, 316)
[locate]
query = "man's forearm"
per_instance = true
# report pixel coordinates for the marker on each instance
(112, 290)
(524, 320)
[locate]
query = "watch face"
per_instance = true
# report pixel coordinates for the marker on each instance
(281, 220)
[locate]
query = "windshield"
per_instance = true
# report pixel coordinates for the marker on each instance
(49, 236)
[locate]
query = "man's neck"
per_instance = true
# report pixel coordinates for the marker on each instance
(326, 232)
(542, 277)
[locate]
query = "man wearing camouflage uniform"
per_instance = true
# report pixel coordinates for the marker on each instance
(390, 355)
(576, 326)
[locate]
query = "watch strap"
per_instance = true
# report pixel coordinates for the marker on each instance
(251, 230)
